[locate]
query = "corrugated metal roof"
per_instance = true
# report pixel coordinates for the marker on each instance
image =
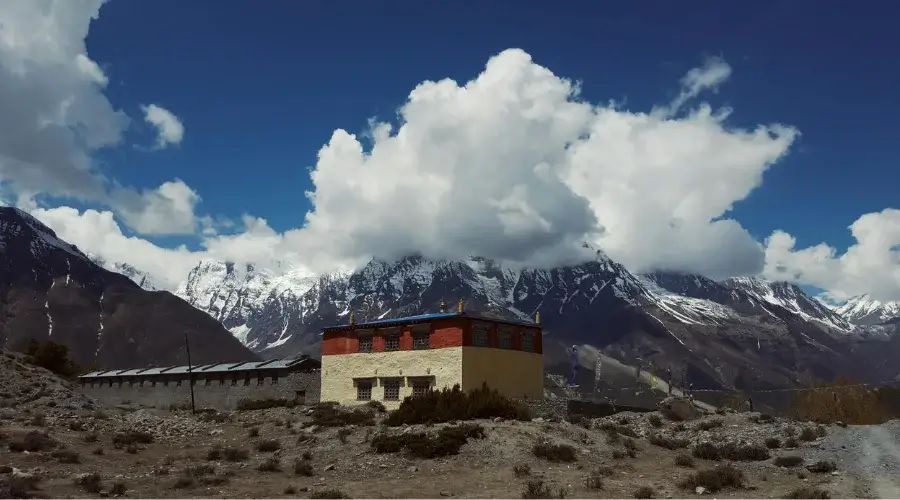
(274, 364)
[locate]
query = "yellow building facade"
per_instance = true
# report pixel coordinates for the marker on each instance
(388, 360)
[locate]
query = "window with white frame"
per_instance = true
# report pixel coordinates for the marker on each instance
(391, 389)
(528, 341)
(365, 343)
(363, 390)
(504, 338)
(480, 336)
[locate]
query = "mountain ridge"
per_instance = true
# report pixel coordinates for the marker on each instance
(51, 290)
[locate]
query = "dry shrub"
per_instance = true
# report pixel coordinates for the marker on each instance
(709, 425)
(268, 445)
(644, 492)
(66, 456)
(762, 418)
(131, 437)
(118, 489)
(331, 493)
(773, 443)
(788, 461)
(537, 488)
(684, 460)
(33, 441)
(450, 404)
(840, 401)
(554, 452)
(522, 470)
(91, 482)
(20, 486)
(667, 442)
(270, 464)
(731, 451)
(655, 420)
(613, 430)
(808, 492)
(344, 433)
(808, 434)
(594, 481)
(303, 467)
(232, 454)
(716, 479)
(735, 402)
(822, 467)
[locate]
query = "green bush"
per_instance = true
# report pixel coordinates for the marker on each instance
(335, 416)
(453, 404)
(53, 356)
(445, 442)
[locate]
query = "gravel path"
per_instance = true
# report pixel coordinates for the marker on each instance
(868, 453)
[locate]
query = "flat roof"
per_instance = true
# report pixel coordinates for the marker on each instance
(273, 364)
(424, 318)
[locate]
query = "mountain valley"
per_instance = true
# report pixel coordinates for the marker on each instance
(738, 333)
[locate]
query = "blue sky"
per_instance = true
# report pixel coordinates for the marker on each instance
(261, 88)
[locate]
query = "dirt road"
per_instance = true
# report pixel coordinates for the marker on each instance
(868, 458)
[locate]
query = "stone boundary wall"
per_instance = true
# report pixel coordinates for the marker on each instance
(208, 393)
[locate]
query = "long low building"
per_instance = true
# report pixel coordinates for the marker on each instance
(218, 385)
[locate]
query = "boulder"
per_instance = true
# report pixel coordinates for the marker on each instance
(679, 408)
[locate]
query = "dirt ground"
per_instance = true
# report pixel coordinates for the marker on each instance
(78, 456)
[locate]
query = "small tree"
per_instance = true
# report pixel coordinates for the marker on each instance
(51, 355)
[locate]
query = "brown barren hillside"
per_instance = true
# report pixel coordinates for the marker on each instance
(49, 290)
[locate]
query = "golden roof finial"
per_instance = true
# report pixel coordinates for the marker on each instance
(443, 306)
(460, 306)
(537, 317)
(352, 318)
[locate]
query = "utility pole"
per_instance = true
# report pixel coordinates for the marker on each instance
(187, 347)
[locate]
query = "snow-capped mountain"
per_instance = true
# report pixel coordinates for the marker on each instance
(862, 310)
(50, 290)
(738, 329)
(141, 278)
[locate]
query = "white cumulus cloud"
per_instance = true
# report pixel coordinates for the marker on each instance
(169, 129)
(871, 266)
(54, 115)
(513, 164)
